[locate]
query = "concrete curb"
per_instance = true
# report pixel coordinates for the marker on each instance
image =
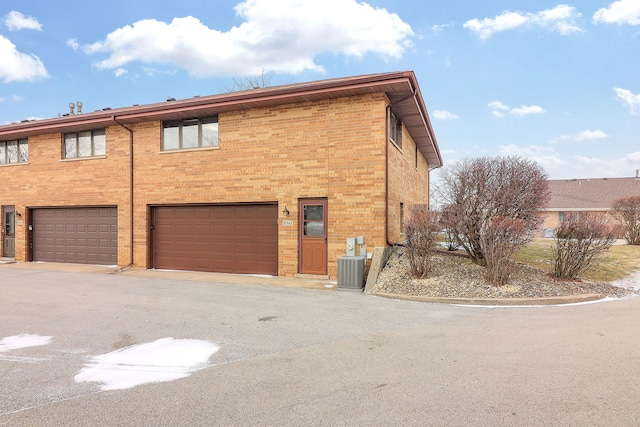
(565, 299)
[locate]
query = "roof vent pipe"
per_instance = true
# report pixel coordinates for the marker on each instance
(72, 107)
(637, 171)
(79, 104)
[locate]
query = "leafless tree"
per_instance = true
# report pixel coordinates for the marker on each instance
(420, 230)
(249, 82)
(581, 238)
(501, 237)
(627, 211)
(474, 190)
(448, 225)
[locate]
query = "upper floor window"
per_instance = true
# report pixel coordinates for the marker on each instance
(14, 151)
(191, 133)
(395, 130)
(90, 143)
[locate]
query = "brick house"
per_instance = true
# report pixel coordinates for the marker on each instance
(271, 180)
(585, 195)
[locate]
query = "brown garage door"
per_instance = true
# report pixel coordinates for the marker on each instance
(79, 235)
(225, 239)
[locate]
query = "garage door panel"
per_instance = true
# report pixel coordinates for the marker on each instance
(224, 239)
(183, 246)
(203, 247)
(202, 229)
(223, 230)
(222, 265)
(246, 231)
(80, 235)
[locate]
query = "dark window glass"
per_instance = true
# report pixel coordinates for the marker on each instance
(314, 221)
(395, 133)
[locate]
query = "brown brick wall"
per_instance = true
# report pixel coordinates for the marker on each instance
(332, 149)
(48, 181)
(408, 183)
(552, 220)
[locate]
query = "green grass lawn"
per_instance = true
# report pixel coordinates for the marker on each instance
(616, 263)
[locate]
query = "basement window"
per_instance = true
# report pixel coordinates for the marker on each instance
(14, 151)
(91, 143)
(190, 134)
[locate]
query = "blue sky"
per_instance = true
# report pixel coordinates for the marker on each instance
(558, 83)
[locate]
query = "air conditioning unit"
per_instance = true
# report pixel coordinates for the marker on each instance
(351, 272)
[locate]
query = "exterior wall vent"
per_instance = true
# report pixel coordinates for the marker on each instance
(351, 272)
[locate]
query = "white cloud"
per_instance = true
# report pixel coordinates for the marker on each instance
(497, 105)
(120, 72)
(546, 157)
(14, 98)
(441, 27)
(585, 135)
(485, 28)
(498, 108)
(283, 36)
(590, 135)
(17, 21)
(444, 115)
(624, 166)
(630, 99)
(527, 110)
(73, 44)
(561, 18)
(619, 12)
(18, 66)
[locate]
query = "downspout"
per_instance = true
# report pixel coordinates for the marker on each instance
(386, 176)
(130, 190)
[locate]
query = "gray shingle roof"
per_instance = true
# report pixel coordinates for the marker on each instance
(587, 194)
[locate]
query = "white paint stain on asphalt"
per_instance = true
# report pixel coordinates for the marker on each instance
(23, 341)
(166, 359)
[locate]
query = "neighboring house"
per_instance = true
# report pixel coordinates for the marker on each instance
(270, 181)
(585, 195)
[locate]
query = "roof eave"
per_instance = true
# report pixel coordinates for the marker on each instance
(389, 83)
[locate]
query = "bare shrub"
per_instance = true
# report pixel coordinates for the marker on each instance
(420, 230)
(447, 223)
(580, 240)
(474, 190)
(501, 238)
(627, 211)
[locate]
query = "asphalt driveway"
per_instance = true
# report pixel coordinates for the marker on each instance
(292, 356)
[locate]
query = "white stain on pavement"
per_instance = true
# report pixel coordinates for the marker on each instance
(166, 359)
(23, 341)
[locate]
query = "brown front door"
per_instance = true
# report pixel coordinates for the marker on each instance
(9, 232)
(313, 236)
